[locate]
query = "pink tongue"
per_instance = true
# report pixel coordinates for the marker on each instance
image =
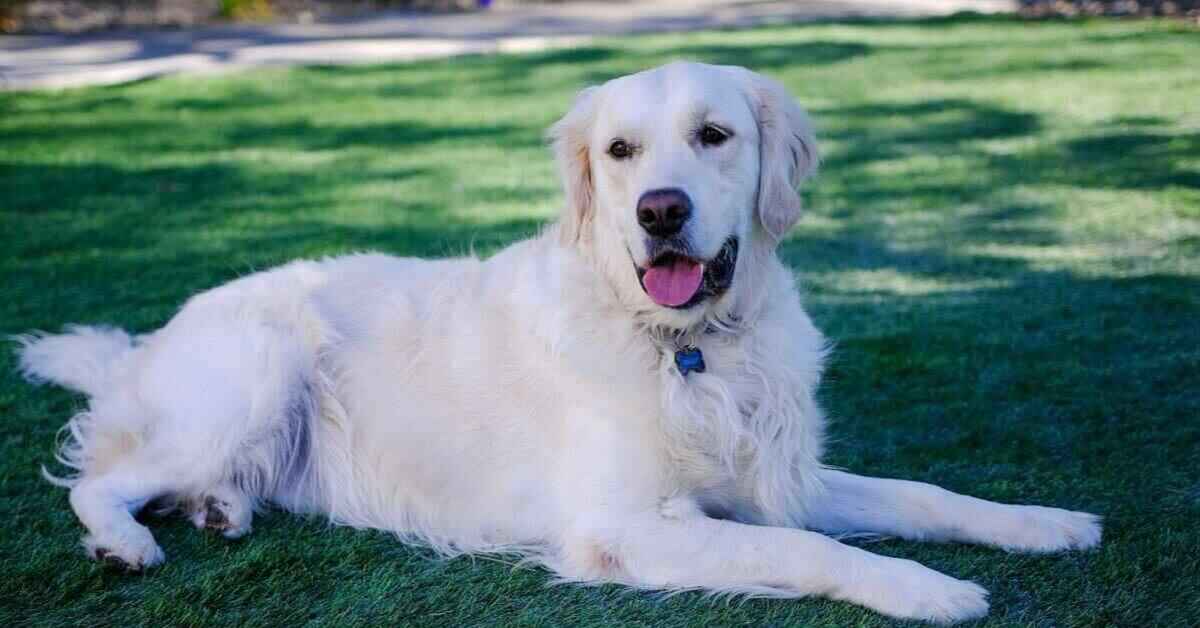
(675, 284)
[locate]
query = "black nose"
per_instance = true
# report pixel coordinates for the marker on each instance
(662, 212)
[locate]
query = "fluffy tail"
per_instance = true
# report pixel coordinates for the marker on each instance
(81, 358)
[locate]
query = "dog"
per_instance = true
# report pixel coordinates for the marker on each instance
(628, 396)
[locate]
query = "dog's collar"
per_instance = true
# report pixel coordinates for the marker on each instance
(684, 343)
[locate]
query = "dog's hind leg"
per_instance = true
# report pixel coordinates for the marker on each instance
(106, 505)
(214, 409)
(235, 416)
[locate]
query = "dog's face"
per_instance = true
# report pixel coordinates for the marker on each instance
(674, 174)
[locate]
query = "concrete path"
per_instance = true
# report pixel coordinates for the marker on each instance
(56, 61)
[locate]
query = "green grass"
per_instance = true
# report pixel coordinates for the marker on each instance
(1004, 244)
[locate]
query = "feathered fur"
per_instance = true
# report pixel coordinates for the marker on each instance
(530, 403)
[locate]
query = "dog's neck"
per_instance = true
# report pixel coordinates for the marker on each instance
(675, 338)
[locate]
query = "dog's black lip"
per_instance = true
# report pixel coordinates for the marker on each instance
(718, 271)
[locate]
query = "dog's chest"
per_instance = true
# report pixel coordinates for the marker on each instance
(705, 409)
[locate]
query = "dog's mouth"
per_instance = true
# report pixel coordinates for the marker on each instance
(674, 279)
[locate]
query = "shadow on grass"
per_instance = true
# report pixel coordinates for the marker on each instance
(150, 237)
(300, 134)
(576, 67)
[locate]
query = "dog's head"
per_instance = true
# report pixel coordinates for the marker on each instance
(677, 175)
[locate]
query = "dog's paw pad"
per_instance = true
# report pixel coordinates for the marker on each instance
(218, 515)
(133, 560)
(214, 514)
(109, 559)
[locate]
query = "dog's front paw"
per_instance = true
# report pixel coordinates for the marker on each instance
(909, 590)
(1042, 529)
(133, 551)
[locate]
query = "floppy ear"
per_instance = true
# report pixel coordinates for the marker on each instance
(787, 152)
(569, 138)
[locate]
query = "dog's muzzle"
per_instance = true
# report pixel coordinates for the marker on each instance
(676, 279)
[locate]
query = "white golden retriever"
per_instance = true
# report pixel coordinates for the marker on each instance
(628, 397)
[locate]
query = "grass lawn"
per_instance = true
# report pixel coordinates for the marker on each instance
(1004, 244)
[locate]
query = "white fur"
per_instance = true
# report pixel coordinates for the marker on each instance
(529, 403)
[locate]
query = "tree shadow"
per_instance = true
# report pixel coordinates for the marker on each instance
(306, 135)
(152, 236)
(302, 134)
(579, 66)
(766, 58)
(1130, 160)
(942, 121)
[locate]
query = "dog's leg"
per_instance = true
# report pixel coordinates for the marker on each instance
(912, 510)
(224, 509)
(106, 505)
(681, 549)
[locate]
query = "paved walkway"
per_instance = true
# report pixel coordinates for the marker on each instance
(55, 61)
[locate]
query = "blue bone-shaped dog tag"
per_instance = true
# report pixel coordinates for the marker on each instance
(689, 359)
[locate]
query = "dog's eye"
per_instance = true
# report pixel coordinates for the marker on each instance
(713, 136)
(620, 149)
